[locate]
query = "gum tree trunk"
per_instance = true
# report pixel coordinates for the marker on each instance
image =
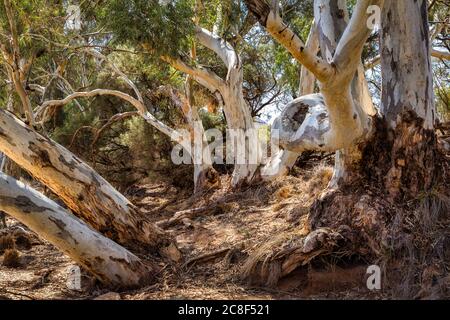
(408, 97)
(112, 264)
(282, 162)
(81, 188)
(229, 92)
(346, 120)
(389, 174)
(236, 109)
(332, 18)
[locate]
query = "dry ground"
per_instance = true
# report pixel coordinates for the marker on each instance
(215, 244)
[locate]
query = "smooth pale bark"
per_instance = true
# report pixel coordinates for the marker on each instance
(346, 98)
(81, 188)
(282, 161)
(304, 125)
(270, 19)
(348, 116)
(229, 93)
(400, 158)
(109, 262)
(279, 165)
(407, 75)
(307, 78)
(236, 108)
(348, 124)
(333, 19)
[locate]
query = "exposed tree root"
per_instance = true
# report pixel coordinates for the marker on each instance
(278, 258)
(216, 207)
(206, 257)
(392, 212)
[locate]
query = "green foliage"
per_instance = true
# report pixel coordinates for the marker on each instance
(211, 120)
(165, 28)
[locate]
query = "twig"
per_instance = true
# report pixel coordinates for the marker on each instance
(206, 256)
(17, 294)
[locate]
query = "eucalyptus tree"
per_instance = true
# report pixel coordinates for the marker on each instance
(224, 30)
(384, 158)
(81, 188)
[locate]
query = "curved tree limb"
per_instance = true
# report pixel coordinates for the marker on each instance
(351, 44)
(271, 20)
(205, 77)
(111, 263)
(122, 75)
(175, 135)
(221, 47)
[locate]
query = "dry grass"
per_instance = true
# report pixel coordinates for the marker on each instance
(283, 193)
(264, 252)
(321, 176)
(11, 258)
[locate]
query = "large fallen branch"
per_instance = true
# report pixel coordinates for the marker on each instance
(112, 264)
(81, 188)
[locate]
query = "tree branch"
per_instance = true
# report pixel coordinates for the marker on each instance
(221, 47)
(349, 49)
(122, 75)
(205, 77)
(435, 53)
(142, 109)
(14, 62)
(286, 37)
(307, 79)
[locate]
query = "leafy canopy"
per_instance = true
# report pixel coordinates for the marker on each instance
(164, 25)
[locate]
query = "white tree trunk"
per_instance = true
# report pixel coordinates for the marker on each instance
(349, 120)
(333, 18)
(205, 176)
(112, 264)
(81, 188)
(408, 99)
(281, 162)
(406, 65)
(237, 110)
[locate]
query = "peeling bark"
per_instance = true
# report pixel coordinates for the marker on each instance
(406, 64)
(81, 188)
(112, 264)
